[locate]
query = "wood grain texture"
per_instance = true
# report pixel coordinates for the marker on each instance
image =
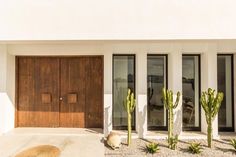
(72, 81)
(42, 81)
(94, 92)
(38, 76)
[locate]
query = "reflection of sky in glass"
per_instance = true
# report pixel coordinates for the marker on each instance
(188, 68)
(155, 66)
(124, 66)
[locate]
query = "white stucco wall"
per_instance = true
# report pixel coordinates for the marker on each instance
(7, 90)
(117, 19)
(207, 49)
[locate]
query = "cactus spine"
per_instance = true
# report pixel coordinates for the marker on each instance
(129, 106)
(211, 104)
(167, 96)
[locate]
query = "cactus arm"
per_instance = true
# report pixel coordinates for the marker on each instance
(177, 100)
(217, 104)
(164, 98)
(170, 98)
(132, 103)
(204, 102)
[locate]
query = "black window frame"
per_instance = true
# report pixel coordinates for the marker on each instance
(134, 116)
(229, 129)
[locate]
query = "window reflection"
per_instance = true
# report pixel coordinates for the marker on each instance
(224, 77)
(123, 78)
(156, 80)
(190, 74)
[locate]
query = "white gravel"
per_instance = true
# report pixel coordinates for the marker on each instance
(221, 148)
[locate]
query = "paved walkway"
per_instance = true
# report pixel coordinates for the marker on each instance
(71, 142)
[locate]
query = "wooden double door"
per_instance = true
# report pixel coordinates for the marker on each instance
(60, 92)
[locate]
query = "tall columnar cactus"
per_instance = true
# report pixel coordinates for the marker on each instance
(167, 96)
(129, 106)
(211, 104)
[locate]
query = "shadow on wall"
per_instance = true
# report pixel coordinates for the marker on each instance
(142, 120)
(107, 121)
(178, 120)
(7, 113)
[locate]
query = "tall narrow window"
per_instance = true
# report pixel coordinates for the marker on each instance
(123, 78)
(156, 80)
(225, 84)
(191, 84)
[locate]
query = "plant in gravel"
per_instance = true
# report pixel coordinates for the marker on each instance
(173, 141)
(211, 103)
(167, 96)
(129, 106)
(152, 148)
(233, 143)
(195, 148)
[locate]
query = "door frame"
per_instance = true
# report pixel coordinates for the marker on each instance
(229, 129)
(57, 56)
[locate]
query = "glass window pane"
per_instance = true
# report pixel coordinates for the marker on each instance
(123, 78)
(156, 80)
(224, 76)
(190, 74)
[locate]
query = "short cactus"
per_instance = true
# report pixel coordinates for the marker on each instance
(129, 106)
(167, 96)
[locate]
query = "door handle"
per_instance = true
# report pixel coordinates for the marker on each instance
(60, 98)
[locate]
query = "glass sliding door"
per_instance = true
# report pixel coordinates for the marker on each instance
(191, 92)
(123, 78)
(156, 80)
(225, 85)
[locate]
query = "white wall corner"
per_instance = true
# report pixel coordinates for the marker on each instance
(3, 67)
(7, 90)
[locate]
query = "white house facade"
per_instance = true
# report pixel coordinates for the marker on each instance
(69, 63)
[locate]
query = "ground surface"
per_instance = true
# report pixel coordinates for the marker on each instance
(71, 142)
(221, 149)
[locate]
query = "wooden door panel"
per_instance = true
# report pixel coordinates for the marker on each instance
(72, 106)
(38, 76)
(94, 92)
(26, 91)
(43, 80)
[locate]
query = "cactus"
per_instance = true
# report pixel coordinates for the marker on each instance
(211, 104)
(167, 96)
(129, 106)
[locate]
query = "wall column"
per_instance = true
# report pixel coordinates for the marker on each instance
(209, 80)
(107, 93)
(7, 90)
(175, 84)
(141, 97)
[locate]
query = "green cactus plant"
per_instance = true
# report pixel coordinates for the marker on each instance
(195, 148)
(173, 142)
(233, 143)
(167, 96)
(129, 105)
(211, 103)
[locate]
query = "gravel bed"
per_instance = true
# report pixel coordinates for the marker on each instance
(221, 148)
